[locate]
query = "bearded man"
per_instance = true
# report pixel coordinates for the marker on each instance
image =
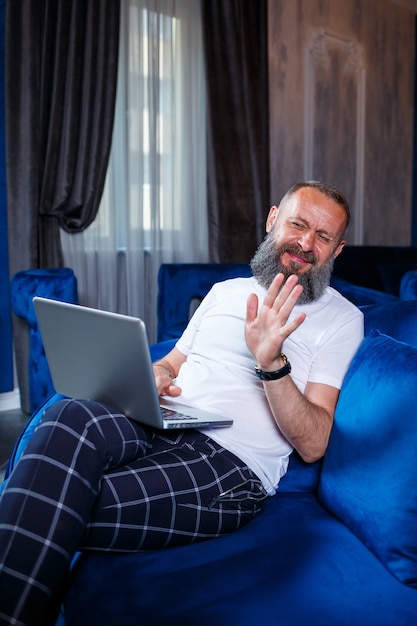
(269, 351)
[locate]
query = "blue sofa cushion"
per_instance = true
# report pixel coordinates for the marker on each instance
(369, 474)
(408, 286)
(293, 565)
(396, 319)
(301, 477)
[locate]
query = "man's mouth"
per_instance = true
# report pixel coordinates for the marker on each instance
(297, 257)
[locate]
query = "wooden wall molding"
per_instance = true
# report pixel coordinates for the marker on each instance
(321, 46)
(341, 107)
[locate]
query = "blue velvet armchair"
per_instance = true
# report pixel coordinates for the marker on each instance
(55, 283)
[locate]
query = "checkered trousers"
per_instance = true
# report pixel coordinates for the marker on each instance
(92, 479)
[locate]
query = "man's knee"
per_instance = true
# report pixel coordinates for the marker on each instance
(76, 414)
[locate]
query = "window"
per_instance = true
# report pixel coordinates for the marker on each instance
(153, 208)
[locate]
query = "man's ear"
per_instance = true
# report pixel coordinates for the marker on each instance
(270, 220)
(339, 248)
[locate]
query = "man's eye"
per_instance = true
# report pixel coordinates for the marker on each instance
(324, 238)
(297, 225)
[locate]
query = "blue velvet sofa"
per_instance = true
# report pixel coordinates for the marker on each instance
(337, 544)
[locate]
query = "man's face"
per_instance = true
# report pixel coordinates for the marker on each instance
(303, 237)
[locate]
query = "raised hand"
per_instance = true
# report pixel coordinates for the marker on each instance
(267, 326)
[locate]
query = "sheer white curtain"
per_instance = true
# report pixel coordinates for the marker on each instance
(153, 208)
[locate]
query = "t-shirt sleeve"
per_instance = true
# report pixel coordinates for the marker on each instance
(336, 351)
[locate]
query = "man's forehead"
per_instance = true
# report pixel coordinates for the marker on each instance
(313, 202)
(309, 196)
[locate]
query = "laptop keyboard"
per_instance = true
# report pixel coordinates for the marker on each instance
(172, 414)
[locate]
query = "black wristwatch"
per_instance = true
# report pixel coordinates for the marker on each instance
(283, 371)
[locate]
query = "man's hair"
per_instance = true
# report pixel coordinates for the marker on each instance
(328, 190)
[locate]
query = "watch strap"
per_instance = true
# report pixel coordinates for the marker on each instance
(283, 371)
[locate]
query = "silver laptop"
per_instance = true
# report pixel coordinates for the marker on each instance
(103, 356)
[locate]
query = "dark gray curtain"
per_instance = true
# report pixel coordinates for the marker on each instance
(61, 74)
(236, 53)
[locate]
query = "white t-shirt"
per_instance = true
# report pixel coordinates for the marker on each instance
(219, 375)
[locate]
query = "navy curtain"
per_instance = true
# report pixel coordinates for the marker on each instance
(61, 75)
(6, 360)
(236, 55)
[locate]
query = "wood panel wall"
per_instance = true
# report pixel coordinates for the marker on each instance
(341, 84)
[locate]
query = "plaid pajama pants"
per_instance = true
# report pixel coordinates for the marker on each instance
(91, 479)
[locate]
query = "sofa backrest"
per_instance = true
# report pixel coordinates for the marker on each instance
(181, 286)
(376, 267)
(361, 295)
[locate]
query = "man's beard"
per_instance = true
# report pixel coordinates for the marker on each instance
(266, 265)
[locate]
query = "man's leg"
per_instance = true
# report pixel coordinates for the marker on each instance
(48, 499)
(187, 489)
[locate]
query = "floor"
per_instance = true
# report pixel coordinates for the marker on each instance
(11, 423)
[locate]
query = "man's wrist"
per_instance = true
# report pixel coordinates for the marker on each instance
(275, 374)
(166, 367)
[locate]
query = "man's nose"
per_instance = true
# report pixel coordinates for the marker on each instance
(306, 240)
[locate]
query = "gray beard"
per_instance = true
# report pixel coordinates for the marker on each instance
(266, 265)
